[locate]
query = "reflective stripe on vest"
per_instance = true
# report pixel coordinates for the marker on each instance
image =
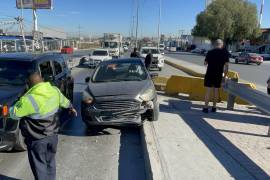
(33, 102)
(37, 115)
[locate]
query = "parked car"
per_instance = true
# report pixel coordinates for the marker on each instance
(120, 92)
(158, 58)
(196, 50)
(99, 55)
(67, 50)
(248, 58)
(14, 69)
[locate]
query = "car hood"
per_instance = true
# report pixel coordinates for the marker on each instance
(131, 88)
(9, 94)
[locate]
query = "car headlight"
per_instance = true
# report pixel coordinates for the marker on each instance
(148, 95)
(87, 98)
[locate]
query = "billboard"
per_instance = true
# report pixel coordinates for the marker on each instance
(34, 4)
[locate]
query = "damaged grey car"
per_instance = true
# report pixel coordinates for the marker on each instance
(120, 92)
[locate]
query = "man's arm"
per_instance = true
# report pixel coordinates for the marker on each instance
(226, 69)
(65, 103)
(206, 59)
(22, 108)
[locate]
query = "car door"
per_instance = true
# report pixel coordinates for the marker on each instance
(59, 74)
(46, 70)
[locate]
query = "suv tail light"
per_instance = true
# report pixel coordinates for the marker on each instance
(4, 111)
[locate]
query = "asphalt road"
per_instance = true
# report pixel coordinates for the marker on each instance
(252, 73)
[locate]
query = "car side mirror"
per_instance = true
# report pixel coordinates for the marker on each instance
(154, 75)
(87, 80)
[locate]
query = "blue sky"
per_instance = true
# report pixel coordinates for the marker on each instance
(98, 16)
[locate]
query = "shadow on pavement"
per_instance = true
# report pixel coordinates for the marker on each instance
(211, 137)
(131, 161)
(3, 177)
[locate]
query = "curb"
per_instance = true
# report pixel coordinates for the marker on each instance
(184, 69)
(155, 168)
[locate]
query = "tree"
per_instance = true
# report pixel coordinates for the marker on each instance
(230, 20)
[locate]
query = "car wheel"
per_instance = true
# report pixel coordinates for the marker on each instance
(236, 61)
(160, 68)
(258, 64)
(20, 144)
(247, 62)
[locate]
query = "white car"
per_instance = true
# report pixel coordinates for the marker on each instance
(98, 56)
(158, 58)
(125, 47)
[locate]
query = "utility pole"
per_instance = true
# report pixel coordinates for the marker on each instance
(137, 24)
(20, 20)
(159, 17)
(261, 14)
(79, 28)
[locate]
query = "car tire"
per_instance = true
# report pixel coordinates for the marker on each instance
(258, 64)
(20, 143)
(236, 61)
(160, 68)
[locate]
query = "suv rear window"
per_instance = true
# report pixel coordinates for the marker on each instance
(14, 72)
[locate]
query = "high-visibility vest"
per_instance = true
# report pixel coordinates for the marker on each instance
(40, 102)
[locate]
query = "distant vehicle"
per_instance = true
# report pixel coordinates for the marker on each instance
(158, 58)
(67, 50)
(162, 48)
(114, 43)
(248, 58)
(98, 56)
(264, 51)
(125, 47)
(120, 92)
(237, 53)
(196, 50)
(14, 69)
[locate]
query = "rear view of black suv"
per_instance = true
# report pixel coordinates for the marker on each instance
(14, 69)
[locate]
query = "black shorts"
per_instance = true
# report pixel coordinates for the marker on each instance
(212, 81)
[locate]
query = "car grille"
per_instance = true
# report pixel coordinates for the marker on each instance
(117, 105)
(118, 109)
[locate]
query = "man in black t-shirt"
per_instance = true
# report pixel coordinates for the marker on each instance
(217, 68)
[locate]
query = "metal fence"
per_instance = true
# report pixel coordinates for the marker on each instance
(9, 46)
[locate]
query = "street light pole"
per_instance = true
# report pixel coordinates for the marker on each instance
(137, 24)
(159, 23)
(261, 13)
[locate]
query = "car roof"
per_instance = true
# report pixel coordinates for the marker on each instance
(123, 60)
(26, 56)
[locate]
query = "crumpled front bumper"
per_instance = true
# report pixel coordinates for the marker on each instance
(93, 116)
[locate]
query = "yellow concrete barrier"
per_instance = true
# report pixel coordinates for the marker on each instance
(194, 87)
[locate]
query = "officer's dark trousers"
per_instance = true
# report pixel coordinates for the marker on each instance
(41, 155)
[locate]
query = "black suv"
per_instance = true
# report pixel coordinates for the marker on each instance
(14, 69)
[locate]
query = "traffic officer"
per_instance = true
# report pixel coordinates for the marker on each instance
(37, 111)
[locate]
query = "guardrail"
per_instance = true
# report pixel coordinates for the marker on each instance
(252, 96)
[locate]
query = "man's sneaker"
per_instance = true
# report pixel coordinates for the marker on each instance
(214, 109)
(205, 110)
